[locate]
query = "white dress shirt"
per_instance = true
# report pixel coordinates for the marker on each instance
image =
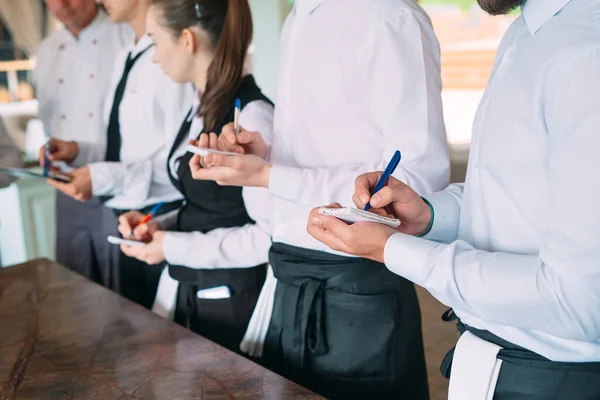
(358, 80)
(10, 154)
(149, 115)
(520, 247)
(72, 77)
(238, 247)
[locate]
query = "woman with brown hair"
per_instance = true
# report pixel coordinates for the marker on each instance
(216, 245)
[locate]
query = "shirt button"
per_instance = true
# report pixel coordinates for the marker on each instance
(61, 47)
(63, 117)
(61, 81)
(91, 76)
(510, 53)
(91, 115)
(94, 41)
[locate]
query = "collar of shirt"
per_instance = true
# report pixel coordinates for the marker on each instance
(537, 12)
(141, 45)
(305, 7)
(89, 33)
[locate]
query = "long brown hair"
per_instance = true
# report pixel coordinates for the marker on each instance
(228, 24)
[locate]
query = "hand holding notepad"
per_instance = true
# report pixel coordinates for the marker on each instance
(352, 215)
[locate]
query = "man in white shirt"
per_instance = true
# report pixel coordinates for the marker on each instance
(143, 113)
(514, 250)
(10, 155)
(71, 76)
(358, 80)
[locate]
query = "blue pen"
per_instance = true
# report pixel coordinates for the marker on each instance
(389, 170)
(236, 116)
(149, 215)
(47, 157)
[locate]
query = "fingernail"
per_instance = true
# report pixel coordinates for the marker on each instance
(317, 221)
(375, 201)
(364, 199)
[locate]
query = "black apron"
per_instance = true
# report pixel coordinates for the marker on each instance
(209, 206)
(525, 375)
(345, 327)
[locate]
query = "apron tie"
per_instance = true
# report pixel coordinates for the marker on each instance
(309, 326)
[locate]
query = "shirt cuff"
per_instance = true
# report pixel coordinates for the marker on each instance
(105, 177)
(284, 182)
(445, 222)
(175, 247)
(407, 256)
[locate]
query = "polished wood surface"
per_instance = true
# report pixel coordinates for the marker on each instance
(64, 337)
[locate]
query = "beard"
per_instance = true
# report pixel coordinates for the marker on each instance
(499, 7)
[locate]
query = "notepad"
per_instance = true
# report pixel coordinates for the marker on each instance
(204, 151)
(22, 172)
(352, 215)
(128, 242)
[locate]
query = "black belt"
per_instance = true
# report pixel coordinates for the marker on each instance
(510, 352)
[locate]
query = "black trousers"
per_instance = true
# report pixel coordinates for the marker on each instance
(525, 375)
(137, 281)
(224, 321)
(345, 327)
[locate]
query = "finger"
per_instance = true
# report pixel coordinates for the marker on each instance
(316, 230)
(228, 142)
(247, 137)
(203, 140)
(140, 231)
(124, 225)
(63, 187)
(338, 228)
(129, 251)
(41, 156)
(363, 186)
(388, 195)
(195, 163)
(213, 141)
(210, 174)
(228, 134)
(221, 160)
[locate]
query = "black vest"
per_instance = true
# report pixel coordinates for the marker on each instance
(207, 205)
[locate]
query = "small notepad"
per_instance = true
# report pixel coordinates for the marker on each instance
(352, 215)
(203, 151)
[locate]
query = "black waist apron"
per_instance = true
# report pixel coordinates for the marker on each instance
(209, 206)
(345, 327)
(526, 375)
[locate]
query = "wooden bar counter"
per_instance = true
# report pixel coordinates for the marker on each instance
(64, 337)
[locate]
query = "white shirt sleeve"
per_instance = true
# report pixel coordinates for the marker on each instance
(135, 179)
(401, 64)
(446, 206)
(239, 247)
(557, 291)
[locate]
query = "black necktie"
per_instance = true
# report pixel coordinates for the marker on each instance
(113, 142)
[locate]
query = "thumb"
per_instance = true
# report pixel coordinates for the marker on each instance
(141, 230)
(247, 137)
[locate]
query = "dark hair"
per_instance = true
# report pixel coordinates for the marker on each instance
(228, 24)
